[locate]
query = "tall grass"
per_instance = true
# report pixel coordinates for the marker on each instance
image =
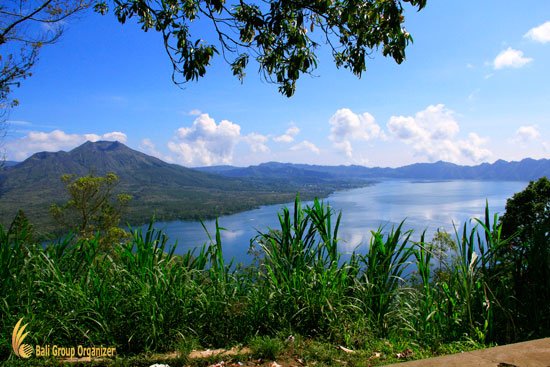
(462, 298)
(302, 282)
(140, 296)
(381, 275)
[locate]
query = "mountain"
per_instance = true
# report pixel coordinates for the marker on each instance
(170, 191)
(6, 164)
(283, 173)
(133, 168)
(525, 170)
(167, 190)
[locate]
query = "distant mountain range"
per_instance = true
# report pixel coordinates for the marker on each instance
(525, 170)
(171, 191)
(8, 163)
(168, 191)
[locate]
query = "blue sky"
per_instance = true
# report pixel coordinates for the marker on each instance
(475, 88)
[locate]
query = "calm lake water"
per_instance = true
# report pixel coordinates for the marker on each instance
(424, 206)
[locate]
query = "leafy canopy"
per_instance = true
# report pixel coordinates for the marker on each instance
(25, 27)
(92, 207)
(526, 223)
(282, 36)
(528, 211)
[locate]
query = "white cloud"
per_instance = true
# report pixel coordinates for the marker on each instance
(38, 141)
(441, 121)
(257, 142)
(347, 126)
(115, 135)
(406, 128)
(148, 147)
(526, 134)
(288, 136)
(433, 134)
(345, 146)
(194, 112)
(510, 58)
(306, 145)
(434, 123)
(472, 148)
(205, 142)
(539, 34)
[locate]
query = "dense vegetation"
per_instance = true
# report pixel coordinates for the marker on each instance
(138, 295)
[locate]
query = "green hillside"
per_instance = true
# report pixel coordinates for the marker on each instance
(168, 191)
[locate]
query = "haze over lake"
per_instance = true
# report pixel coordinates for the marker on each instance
(423, 205)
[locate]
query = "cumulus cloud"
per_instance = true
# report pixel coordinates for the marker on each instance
(347, 126)
(38, 141)
(205, 142)
(434, 123)
(288, 136)
(115, 135)
(526, 134)
(406, 128)
(539, 34)
(433, 134)
(148, 147)
(257, 142)
(510, 58)
(306, 145)
(473, 149)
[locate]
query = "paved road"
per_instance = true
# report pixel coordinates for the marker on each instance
(535, 353)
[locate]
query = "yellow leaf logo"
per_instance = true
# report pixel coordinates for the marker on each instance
(20, 349)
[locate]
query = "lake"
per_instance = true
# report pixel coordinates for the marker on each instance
(424, 206)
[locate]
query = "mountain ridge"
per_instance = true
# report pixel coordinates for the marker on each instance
(173, 192)
(529, 168)
(166, 190)
(526, 169)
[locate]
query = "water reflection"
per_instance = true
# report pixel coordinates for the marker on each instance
(424, 206)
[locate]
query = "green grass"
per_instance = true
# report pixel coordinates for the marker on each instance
(142, 298)
(266, 347)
